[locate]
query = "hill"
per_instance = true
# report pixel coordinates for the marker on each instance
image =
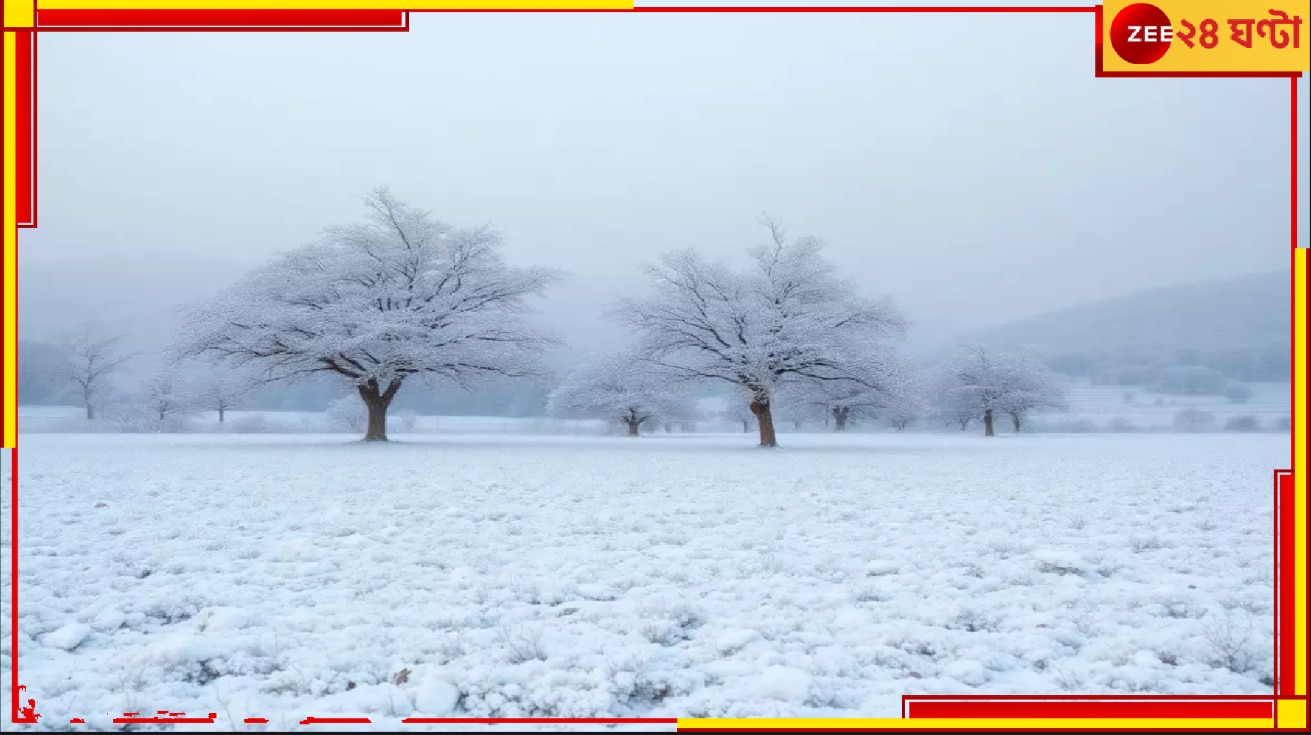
(1241, 326)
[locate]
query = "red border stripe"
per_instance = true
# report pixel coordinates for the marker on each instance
(1286, 600)
(538, 720)
(1117, 710)
(25, 131)
(245, 19)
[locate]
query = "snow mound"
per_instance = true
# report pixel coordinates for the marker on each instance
(436, 697)
(68, 637)
(734, 640)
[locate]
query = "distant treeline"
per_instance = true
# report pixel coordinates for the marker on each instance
(1184, 371)
(41, 382)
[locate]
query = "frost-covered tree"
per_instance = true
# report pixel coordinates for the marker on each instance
(93, 357)
(347, 414)
(786, 318)
(1238, 393)
(166, 398)
(222, 390)
(841, 402)
(624, 389)
(982, 383)
(902, 410)
(402, 295)
(1033, 386)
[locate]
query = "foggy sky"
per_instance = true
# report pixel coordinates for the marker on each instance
(972, 179)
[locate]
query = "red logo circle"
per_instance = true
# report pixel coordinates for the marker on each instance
(1141, 33)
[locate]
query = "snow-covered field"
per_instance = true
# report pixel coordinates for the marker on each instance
(284, 576)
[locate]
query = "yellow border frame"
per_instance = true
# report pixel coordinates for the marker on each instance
(1291, 713)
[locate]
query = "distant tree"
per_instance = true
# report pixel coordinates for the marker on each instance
(222, 390)
(904, 410)
(92, 360)
(624, 389)
(982, 383)
(952, 406)
(347, 414)
(1032, 387)
(786, 318)
(738, 411)
(844, 402)
(166, 398)
(409, 420)
(1242, 423)
(376, 304)
(1194, 419)
(1238, 393)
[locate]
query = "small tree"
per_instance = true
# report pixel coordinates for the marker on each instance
(347, 414)
(739, 413)
(409, 420)
(166, 399)
(92, 360)
(222, 390)
(624, 389)
(981, 383)
(403, 295)
(1032, 386)
(1242, 423)
(1194, 420)
(903, 412)
(844, 402)
(786, 318)
(1238, 393)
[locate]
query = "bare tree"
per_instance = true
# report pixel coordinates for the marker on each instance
(787, 318)
(92, 359)
(375, 304)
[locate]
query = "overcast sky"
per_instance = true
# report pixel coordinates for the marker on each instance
(972, 178)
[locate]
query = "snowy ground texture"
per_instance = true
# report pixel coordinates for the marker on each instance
(288, 576)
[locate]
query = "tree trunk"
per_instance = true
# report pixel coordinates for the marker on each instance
(796, 423)
(669, 428)
(632, 426)
(840, 416)
(377, 401)
(90, 413)
(765, 419)
(746, 427)
(1015, 421)
(220, 414)
(987, 423)
(964, 424)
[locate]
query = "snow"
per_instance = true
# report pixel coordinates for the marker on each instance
(68, 637)
(284, 576)
(436, 697)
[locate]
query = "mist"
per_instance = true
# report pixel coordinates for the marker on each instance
(971, 182)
